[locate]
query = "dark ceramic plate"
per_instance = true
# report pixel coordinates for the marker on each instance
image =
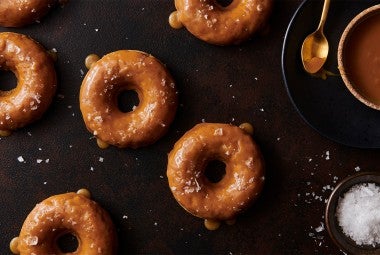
(335, 231)
(327, 105)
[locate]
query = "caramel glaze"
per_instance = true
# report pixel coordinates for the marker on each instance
(19, 13)
(215, 24)
(128, 70)
(66, 213)
(242, 183)
(36, 81)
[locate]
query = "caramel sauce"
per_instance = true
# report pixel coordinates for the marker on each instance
(101, 144)
(84, 192)
(4, 133)
(314, 64)
(247, 127)
(362, 58)
(13, 245)
(174, 21)
(90, 60)
(212, 224)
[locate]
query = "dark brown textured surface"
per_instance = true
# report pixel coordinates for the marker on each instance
(217, 84)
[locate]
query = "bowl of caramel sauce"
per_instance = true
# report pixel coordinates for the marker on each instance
(359, 57)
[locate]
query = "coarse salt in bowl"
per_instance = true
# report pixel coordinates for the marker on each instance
(353, 214)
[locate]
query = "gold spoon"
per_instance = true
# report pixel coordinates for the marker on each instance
(315, 47)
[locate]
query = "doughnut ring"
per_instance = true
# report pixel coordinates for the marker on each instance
(244, 171)
(215, 24)
(16, 13)
(69, 213)
(36, 81)
(128, 70)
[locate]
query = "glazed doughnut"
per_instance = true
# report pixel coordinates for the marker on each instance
(244, 171)
(17, 13)
(36, 81)
(70, 213)
(128, 70)
(215, 24)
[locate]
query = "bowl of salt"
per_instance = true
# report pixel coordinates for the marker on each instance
(353, 214)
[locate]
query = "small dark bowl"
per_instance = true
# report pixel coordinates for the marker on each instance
(335, 231)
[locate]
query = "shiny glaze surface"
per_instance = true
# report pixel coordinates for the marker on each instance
(17, 13)
(211, 22)
(36, 81)
(241, 184)
(128, 70)
(68, 213)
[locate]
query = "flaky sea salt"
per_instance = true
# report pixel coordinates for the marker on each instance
(358, 214)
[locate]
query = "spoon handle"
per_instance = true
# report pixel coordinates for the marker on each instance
(325, 10)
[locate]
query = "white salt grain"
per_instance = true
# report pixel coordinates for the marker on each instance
(358, 214)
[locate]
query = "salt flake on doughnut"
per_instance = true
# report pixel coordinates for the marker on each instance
(72, 214)
(121, 71)
(236, 188)
(221, 25)
(36, 81)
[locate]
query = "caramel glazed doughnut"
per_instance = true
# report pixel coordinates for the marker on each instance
(36, 81)
(244, 172)
(70, 213)
(128, 70)
(215, 24)
(17, 13)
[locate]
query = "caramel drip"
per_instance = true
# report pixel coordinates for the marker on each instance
(53, 54)
(174, 21)
(101, 144)
(212, 224)
(247, 127)
(13, 246)
(4, 133)
(90, 60)
(84, 192)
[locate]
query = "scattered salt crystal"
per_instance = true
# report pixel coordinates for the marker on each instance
(320, 228)
(47, 160)
(96, 29)
(20, 159)
(101, 159)
(39, 161)
(91, 168)
(358, 214)
(125, 217)
(327, 155)
(357, 168)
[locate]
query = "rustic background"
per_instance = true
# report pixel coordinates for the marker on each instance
(232, 84)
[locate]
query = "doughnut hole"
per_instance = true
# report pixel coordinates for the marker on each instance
(127, 100)
(215, 171)
(8, 80)
(224, 3)
(67, 243)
